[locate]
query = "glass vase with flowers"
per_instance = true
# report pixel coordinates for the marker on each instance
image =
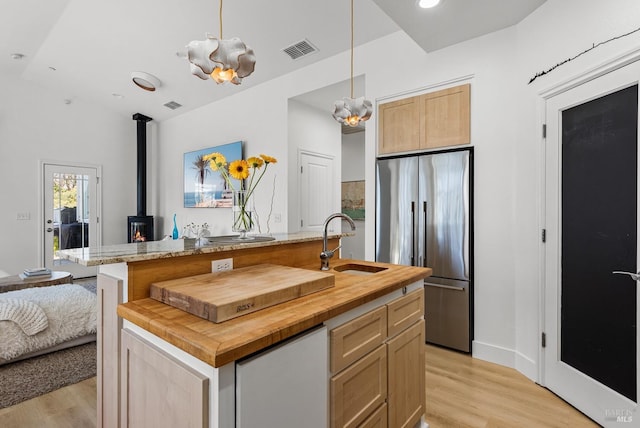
(251, 170)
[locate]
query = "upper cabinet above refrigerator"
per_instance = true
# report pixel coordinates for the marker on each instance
(428, 121)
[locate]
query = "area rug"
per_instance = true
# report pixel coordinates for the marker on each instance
(36, 376)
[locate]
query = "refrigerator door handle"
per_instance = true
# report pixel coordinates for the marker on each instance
(413, 233)
(424, 211)
(448, 287)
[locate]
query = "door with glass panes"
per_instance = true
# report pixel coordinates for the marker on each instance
(70, 213)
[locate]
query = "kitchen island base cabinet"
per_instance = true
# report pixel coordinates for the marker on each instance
(284, 386)
(406, 397)
(378, 419)
(359, 389)
(110, 292)
(387, 382)
(158, 390)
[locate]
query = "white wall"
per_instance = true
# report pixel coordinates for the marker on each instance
(506, 121)
(353, 169)
(505, 132)
(311, 130)
(487, 63)
(37, 125)
(259, 117)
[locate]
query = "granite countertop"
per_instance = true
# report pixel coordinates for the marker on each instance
(222, 343)
(151, 250)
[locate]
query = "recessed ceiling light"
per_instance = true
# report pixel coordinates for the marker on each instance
(118, 96)
(17, 55)
(426, 4)
(145, 81)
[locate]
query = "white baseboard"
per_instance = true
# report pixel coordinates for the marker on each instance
(527, 367)
(506, 357)
(493, 354)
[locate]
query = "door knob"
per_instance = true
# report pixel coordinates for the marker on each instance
(634, 276)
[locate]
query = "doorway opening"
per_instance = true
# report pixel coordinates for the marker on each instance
(71, 213)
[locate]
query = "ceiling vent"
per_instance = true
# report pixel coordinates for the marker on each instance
(300, 49)
(172, 105)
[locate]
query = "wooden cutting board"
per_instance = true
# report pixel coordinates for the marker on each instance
(222, 296)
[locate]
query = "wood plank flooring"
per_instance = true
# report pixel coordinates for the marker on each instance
(69, 407)
(461, 392)
(465, 392)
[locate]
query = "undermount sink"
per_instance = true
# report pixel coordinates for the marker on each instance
(358, 269)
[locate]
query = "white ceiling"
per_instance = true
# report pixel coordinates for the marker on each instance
(94, 45)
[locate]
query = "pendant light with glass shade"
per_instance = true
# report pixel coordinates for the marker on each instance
(221, 60)
(352, 111)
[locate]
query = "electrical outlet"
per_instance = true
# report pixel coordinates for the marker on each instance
(24, 216)
(277, 218)
(221, 265)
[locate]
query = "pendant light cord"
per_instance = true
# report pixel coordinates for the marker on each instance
(220, 14)
(351, 48)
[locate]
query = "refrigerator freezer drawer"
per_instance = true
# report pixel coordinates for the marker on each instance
(447, 315)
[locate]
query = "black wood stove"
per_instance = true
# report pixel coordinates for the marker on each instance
(140, 226)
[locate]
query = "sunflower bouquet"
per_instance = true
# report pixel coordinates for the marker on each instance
(252, 169)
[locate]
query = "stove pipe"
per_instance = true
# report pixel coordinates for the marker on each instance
(142, 162)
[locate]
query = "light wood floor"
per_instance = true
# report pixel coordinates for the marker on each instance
(461, 392)
(466, 392)
(73, 406)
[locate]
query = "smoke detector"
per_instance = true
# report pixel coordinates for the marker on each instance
(146, 81)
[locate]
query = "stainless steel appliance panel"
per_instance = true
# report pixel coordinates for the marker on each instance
(446, 313)
(423, 206)
(444, 200)
(396, 216)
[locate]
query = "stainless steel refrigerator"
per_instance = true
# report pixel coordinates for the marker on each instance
(423, 218)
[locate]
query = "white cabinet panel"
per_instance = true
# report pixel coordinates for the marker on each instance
(285, 386)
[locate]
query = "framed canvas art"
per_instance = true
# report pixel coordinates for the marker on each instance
(353, 199)
(203, 187)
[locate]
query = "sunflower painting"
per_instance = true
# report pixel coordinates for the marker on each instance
(204, 187)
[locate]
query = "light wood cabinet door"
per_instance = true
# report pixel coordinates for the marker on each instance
(359, 389)
(445, 118)
(428, 121)
(406, 371)
(377, 420)
(399, 126)
(158, 390)
(404, 311)
(355, 338)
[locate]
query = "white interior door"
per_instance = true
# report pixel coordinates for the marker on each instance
(316, 190)
(70, 213)
(591, 218)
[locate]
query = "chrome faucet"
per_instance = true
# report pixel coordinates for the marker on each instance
(325, 255)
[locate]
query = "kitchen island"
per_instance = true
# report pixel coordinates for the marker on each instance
(161, 366)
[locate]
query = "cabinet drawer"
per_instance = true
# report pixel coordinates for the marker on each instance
(359, 389)
(355, 338)
(404, 311)
(377, 420)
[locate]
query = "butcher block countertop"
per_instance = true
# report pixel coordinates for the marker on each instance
(222, 343)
